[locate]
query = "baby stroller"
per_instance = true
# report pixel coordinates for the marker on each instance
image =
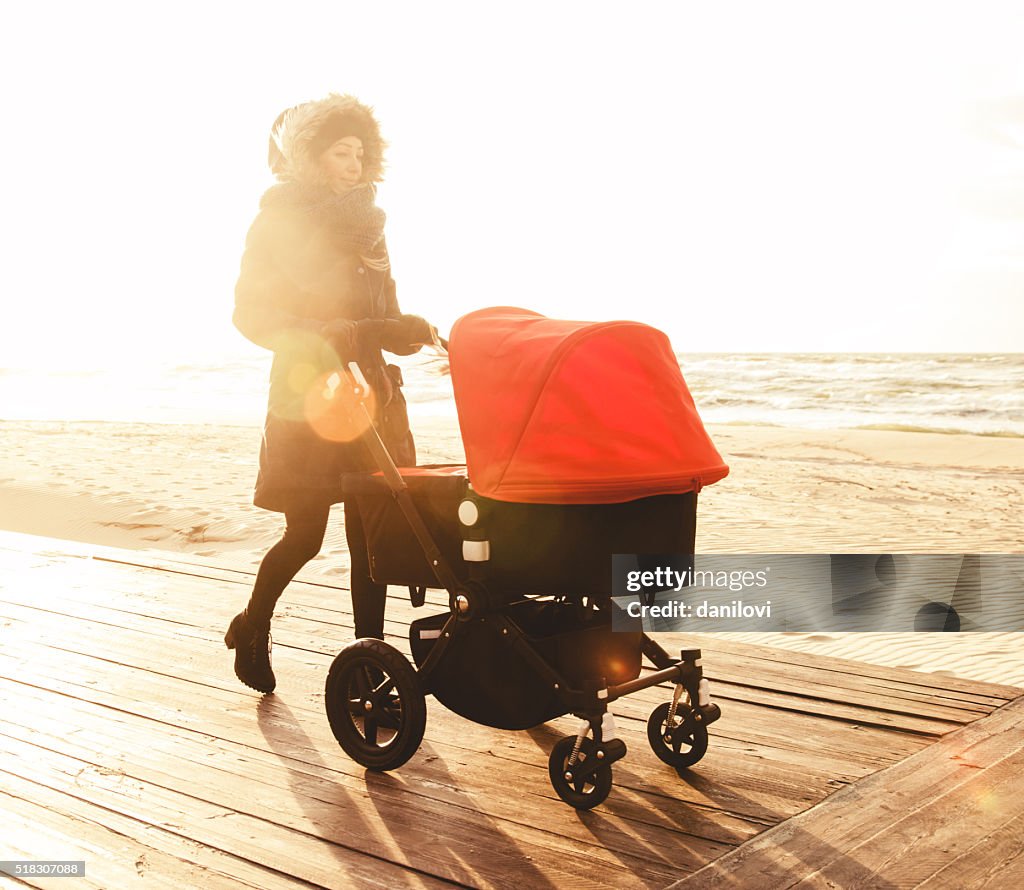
(581, 441)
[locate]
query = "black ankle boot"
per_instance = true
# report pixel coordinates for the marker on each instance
(252, 652)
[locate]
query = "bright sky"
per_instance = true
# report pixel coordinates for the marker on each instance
(747, 176)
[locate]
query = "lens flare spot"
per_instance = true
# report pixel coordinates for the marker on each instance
(616, 670)
(301, 376)
(334, 412)
(333, 382)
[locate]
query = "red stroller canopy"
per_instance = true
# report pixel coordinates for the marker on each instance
(575, 412)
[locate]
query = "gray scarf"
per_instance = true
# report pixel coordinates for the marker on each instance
(354, 220)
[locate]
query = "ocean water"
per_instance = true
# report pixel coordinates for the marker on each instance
(949, 393)
(946, 393)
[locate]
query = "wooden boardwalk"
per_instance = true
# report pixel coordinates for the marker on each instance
(127, 742)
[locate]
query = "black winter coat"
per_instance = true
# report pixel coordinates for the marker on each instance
(295, 279)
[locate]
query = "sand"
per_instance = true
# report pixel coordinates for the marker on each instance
(187, 489)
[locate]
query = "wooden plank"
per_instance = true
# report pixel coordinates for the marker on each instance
(756, 785)
(132, 655)
(765, 673)
(830, 706)
(909, 850)
(994, 861)
(845, 668)
(43, 824)
(777, 732)
(847, 672)
(878, 709)
(797, 786)
(859, 715)
(907, 684)
(349, 822)
(733, 775)
(790, 730)
(796, 744)
(32, 834)
(921, 796)
(173, 633)
(826, 685)
(490, 776)
(288, 852)
(542, 779)
(835, 707)
(678, 816)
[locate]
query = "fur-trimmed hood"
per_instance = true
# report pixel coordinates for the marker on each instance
(295, 129)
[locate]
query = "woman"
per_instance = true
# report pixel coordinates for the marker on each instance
(315, 288)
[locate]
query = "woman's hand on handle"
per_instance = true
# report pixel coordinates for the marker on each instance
(407, 333)
(417, 331)
(342, 335)
(403, 335)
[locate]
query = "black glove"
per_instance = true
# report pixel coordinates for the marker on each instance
(341, 334)
(417, 330)
(407, 333)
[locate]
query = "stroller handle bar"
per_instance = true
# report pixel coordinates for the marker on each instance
(361, 390)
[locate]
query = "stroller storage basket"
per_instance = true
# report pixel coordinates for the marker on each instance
(533, 548)
(483, 677)
(396, 557)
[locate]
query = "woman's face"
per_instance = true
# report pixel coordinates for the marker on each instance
(343, 163)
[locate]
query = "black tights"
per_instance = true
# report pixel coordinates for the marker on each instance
(303, 538)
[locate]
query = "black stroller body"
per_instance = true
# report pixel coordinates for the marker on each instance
(528, 633)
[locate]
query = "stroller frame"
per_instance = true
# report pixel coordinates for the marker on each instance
(371, 683)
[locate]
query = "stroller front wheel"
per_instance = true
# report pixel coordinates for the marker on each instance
(579, 784)
(681, 743)
(374, 704)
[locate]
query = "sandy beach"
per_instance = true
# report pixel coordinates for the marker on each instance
(186, 489)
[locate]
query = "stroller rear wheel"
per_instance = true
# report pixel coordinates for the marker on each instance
(681, 743)
(579, 784)
(374, 704)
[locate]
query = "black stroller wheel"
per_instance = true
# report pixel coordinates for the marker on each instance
(684, 742)
(374, 704)
(585, 792)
